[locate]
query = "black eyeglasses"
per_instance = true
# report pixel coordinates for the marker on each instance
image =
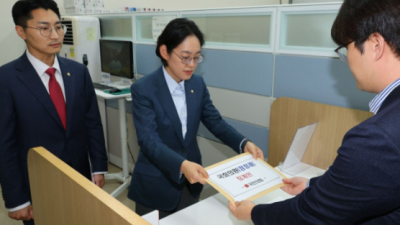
(46, 30)
(342, 52)
(188, 60)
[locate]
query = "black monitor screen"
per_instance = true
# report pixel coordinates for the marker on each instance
(117, 58)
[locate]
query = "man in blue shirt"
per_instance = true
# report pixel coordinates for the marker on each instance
(362, 185)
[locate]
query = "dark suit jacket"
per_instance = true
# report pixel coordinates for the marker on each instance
(29, 119)
(361, 187)
(155, 180)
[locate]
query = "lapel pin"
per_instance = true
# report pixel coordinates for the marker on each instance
(68, 74)
(192, 91)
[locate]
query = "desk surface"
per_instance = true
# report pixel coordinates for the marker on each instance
(214, 210)
(104, 95)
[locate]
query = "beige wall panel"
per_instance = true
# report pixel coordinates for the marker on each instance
(114, 138)
(249, 108)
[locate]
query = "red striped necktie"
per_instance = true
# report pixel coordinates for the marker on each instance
(57, 96)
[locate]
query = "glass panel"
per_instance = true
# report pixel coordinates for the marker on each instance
(310, 31)
(144, 28)
(238, 29)
(116, 27)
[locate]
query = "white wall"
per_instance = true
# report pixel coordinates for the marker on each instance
(11, 44)
(60, 4)
(188, 4)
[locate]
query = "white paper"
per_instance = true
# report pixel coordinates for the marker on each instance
(244, 177)
(292, 164)
(159, 23)
(153, 217)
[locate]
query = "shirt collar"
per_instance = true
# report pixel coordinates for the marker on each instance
(40, 66)
(376, 103)
(172, 84)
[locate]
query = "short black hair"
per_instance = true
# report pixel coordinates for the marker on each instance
(359, 19)
(175, 33)
(21, 11)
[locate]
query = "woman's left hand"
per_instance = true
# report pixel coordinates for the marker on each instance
(254, 150)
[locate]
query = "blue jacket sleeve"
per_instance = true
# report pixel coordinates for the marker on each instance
(15, 193)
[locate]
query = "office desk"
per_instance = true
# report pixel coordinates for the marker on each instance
(122, 176)
(214, 210)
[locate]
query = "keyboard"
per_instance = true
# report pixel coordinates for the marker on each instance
(101, 86)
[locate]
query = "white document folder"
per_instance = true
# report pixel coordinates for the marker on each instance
(243, 177)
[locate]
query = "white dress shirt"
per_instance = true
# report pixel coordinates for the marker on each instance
(177, 91)
(41, 68)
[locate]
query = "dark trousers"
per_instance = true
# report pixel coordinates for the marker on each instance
(186, 200)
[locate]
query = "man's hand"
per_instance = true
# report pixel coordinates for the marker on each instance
(294, 185)
(242, 210)
(24, 214)
(194, 172)
(254, 150)
(98, 179)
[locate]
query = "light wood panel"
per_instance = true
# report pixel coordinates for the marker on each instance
(62, 196)
(288, 114)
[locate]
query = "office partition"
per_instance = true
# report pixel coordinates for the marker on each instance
(62, 196)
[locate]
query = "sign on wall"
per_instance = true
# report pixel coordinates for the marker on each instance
(159, 23)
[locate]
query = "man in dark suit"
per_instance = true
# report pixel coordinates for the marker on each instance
(362, 185)
(45, 101)
(168, 106)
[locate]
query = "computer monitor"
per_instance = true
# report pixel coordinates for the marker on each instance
(117, 58)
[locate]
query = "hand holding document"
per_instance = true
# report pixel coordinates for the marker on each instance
(193, 172)
(243, 177)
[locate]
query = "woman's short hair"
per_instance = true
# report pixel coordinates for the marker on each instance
(175, 33)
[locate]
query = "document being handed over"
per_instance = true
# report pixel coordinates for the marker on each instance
(242, 177)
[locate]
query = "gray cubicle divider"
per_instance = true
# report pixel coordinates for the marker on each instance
(266, 73)
(319, 79)
(146, 59)
(249, 72)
